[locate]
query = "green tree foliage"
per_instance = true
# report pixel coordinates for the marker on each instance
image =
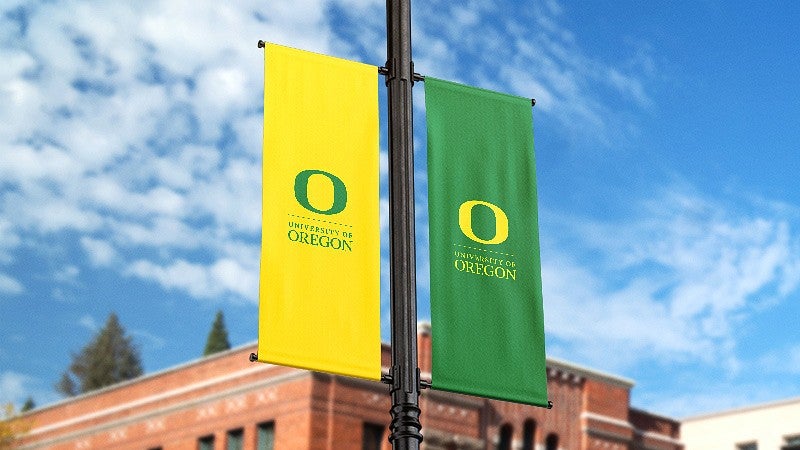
(66, 385)
(109, 358)
(11, 427)
(28, 405)
(217, 340)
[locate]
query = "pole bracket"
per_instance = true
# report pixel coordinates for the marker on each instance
(388, 379)
(383, 70)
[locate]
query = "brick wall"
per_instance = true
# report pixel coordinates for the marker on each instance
(211, 396)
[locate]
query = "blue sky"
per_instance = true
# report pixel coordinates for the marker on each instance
(667, 151)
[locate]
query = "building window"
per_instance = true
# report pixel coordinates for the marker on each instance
(506, 434)
(206, 443)
(528, 432)
(551, 443)
(372, 436)
(747, 446)
(234, 439)
(266, 436)
(792, 443)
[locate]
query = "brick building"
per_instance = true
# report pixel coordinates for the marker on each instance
(226, 402)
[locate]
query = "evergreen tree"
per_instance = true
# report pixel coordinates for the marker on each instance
(109, 358)
(217, 340)
(66, 385)
(28, 405)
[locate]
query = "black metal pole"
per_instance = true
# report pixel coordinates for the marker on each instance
(405, 426)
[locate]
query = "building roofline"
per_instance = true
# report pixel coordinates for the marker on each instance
(145, 377)
(586, 372)
(552, 363)
(652, 414)
(742, 409)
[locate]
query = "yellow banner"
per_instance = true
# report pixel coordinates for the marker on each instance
(320, 256)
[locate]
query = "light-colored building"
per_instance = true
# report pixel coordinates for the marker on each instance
(771, 426)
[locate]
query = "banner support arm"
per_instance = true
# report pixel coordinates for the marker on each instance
(419, 77)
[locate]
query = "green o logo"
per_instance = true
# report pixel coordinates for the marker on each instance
(465, 222)
(339, 192)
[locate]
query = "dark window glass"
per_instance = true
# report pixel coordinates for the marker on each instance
(234, 439)
(266, 436)
(551, 443)
(528, 432)
(792, 443)
(372, 436)
(506, 434)
(205, 443)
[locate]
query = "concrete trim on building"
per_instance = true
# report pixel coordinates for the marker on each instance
(589, 373)
(280, 379)
(606, 419)
(624, 424)
(594, 432)
(744, 409)
(658, 437)
(438, 440)
(149, 376)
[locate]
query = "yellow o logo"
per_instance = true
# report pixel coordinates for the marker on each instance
(465, 222)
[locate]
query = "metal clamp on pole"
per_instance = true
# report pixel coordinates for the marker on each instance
(388, 379)
(416, 76)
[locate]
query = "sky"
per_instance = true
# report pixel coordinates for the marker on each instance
(667, 151)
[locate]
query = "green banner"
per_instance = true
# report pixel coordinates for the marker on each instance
(486, 292)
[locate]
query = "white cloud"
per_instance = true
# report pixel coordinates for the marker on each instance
(232, 196)
(709, 395)
(89, 323)
(13, 387)
(137, 126)
(8, 241)
(529, 52)
(222, 278)
(673, 283)
(783, 360)
(100, 252)
(9, 285)
(67, 274)
(151, 341)
(162, 232)
(24, 164)
(361, 4)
